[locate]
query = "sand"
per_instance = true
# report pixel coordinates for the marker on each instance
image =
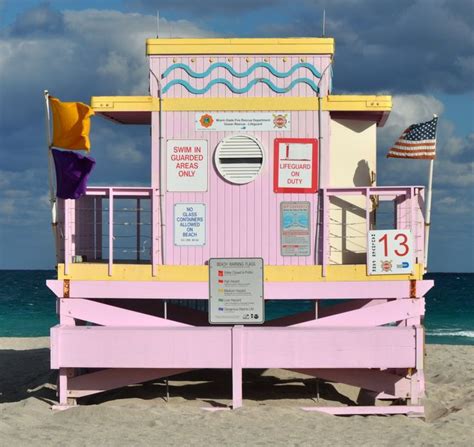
(140, 415)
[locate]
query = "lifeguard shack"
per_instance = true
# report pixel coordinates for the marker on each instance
(263, 187)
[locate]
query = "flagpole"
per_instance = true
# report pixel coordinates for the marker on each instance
(429, 194)
(52, 195)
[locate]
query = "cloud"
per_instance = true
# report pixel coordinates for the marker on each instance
(75, 54)
(39, 20)
(210, 7)
(407, 46)
(21, 197)
(454, 165)
(92, 53)
(453, 181)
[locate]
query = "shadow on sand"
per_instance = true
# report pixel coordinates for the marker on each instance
(26, 373)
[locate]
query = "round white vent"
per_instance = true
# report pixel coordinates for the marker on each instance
(239, 158)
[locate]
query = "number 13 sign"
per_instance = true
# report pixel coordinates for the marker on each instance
(389, 252)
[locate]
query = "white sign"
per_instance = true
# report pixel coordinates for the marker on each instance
(189, 224)
(247, 121)
(389, 252)
(295, 168)
(187, 165)
(236, 291)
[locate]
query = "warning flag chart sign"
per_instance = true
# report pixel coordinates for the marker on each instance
(295, 165)
(187, 165)
(236, 291)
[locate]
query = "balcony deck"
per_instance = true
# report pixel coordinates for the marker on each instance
(114, 233)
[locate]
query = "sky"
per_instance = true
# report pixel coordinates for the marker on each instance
(419, 51)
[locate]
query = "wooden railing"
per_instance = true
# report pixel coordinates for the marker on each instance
(94, 229)
(92, 226)
(347, 214)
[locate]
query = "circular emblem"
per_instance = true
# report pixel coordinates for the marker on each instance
(206, 120)
(386, 266)
(280, 121)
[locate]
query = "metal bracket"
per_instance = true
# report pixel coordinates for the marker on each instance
(66, 288)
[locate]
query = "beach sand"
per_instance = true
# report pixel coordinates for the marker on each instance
(140, 415)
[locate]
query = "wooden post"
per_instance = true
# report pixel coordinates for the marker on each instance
(237, 335)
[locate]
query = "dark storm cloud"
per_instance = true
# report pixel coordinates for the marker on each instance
(74, 54)
(200, 8)
(403, 46)
(41, 19)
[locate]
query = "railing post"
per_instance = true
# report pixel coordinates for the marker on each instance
(138, 228)
(98, 228)
(325, 230)
(68, 222)
(413, 222)
(367, 210)
(155, 229)
(111, 230)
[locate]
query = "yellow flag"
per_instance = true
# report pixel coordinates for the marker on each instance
(71, 124)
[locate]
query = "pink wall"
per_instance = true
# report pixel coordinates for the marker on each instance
(241, 220)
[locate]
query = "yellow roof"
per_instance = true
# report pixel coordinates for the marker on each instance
(293, 45)
(137, 109)
(331, 103)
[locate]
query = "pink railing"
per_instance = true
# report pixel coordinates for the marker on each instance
(122, 224)
(406, 212)
(92, 226)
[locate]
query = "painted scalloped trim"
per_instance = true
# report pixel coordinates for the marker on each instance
(251, 69)
(233, 89)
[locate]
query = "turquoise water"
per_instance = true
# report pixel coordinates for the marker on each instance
(27, 307)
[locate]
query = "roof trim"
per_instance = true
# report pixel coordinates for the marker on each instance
(184, 46)
(137, 109)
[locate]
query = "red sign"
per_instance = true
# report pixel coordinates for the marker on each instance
(295, 166)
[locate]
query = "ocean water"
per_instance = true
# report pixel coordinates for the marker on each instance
(27, 307)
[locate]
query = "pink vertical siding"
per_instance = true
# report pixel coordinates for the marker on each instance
(241, 220)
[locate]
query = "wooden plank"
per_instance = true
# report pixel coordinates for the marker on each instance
(300, 347)
(372, 316)
(273, 290)
(142, 347)
(107, 315)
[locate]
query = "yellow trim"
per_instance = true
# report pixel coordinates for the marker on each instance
(356, 103)
(125, 104)
(240, 46)
(240, 104)
(187, 273)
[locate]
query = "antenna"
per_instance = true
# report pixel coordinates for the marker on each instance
(324, 23)
(157, 23)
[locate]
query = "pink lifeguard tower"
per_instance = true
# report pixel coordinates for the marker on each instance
(263, 187)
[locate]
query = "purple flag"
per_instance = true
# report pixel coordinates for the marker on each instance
(72, 172)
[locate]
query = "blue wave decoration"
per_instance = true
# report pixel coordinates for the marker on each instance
(232, 88)
(251, 69)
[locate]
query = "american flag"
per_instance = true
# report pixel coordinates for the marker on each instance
(418, 141)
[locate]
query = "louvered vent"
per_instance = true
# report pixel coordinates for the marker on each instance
(239, 158)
